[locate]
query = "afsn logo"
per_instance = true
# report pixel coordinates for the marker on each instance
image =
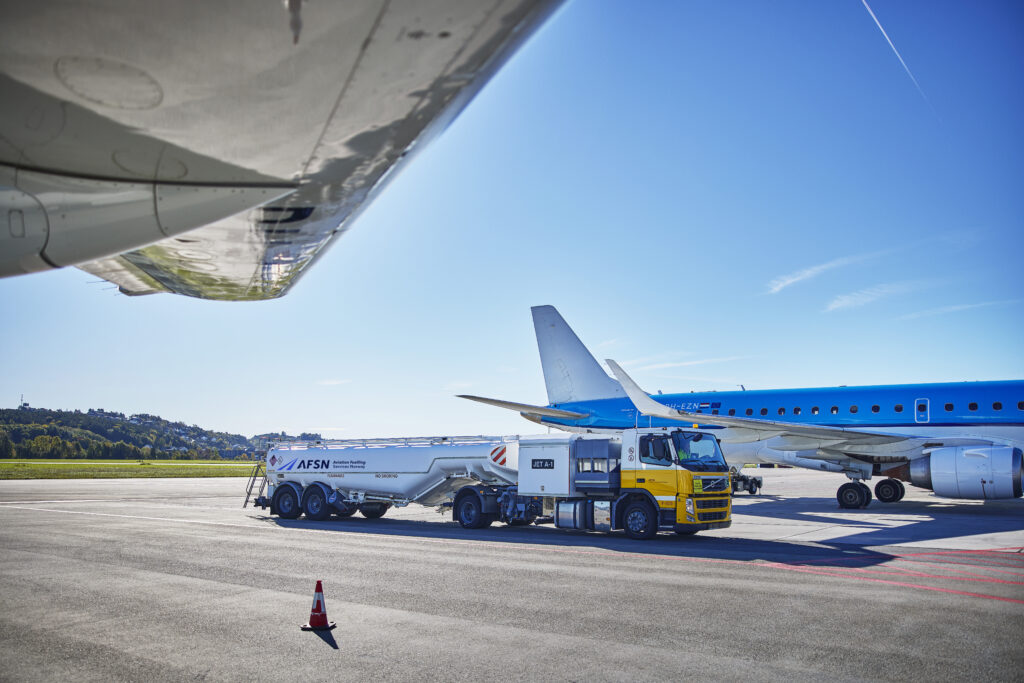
(297, 464)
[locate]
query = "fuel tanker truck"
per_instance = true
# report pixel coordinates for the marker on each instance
(639, 481)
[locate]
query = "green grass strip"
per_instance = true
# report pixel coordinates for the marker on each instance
(127, 470)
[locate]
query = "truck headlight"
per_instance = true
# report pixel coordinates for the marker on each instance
(689, 505)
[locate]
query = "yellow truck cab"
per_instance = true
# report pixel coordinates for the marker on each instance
(682, 472)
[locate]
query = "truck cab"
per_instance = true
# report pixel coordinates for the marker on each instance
(683, 472)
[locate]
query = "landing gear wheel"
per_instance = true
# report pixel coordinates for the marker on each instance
(851, 496)
(640, 521)
(315, 505)
(373, 510)
(866, 492)
(286, 503)
(903, 489)
(889, 490)
(469, 515)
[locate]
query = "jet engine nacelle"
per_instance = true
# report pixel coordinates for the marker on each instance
(970, 472)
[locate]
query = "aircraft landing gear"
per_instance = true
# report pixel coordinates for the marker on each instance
(890, 490)
(853, 495)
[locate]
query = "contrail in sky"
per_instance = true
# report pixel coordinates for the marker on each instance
(895, 51)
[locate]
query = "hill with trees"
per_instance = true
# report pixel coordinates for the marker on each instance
(27, 432)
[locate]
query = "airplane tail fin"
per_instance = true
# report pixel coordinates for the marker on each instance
(571, 373)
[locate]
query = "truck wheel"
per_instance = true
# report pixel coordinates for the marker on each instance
(315, 505)
(469, 515)
(373, 510)
(753, 488)
(639, 521)
(286, 503)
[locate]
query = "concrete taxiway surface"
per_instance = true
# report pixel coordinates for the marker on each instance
(170, 579)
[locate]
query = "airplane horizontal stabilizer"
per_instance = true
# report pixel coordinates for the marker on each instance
(526, 409)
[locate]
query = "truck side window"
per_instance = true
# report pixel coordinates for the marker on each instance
(654, 450)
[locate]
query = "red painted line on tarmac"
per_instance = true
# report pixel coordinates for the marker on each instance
(921, 575)
(903, 584)
(946, 566)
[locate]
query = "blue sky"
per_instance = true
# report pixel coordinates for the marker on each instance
(712, 193)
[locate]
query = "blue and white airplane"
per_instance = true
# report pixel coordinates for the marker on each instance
(960, 440)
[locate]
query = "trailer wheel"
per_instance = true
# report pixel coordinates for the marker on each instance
(639, 521)
(469, 514)
(286, 503)
(315, 505)
(373, 510)
(753, 488)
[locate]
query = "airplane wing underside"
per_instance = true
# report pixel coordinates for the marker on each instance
(834, 444)
(318, 104)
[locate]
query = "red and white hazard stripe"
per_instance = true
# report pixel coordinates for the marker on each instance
(498, 455)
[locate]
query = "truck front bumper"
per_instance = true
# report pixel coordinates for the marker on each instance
(702, 526)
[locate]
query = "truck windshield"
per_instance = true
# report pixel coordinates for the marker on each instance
(699, 452)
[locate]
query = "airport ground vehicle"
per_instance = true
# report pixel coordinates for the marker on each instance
(640, 481)
(745, 482)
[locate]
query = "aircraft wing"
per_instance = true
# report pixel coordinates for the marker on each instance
(525, 409)
(812, 441)
(216, 149)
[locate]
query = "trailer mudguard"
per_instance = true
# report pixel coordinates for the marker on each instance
(323, 487)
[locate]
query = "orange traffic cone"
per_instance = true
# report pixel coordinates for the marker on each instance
(318, 613)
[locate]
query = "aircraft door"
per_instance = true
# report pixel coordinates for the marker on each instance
(922, 410)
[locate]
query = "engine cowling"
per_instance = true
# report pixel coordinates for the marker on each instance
(985, 472)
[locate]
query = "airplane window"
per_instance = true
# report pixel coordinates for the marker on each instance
(997, 406)
(796, 411)
(949, 407)
(782, 411)
(715, 411)
(814, 410)
(732, 411)
(835, 410)
(750, 411)
(922, 407)
(1020, 405)
(898, 407)
(853, 409)
(874, 409)
(764, 411)
(972, 406)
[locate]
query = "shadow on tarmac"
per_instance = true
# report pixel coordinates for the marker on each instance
(851, 531)
(327, 637)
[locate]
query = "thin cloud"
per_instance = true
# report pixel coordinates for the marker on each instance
(332, 382)
(868, 295)
(688, 363)
(895, 51)
(956, 308)
(606, 343)
(783, 281)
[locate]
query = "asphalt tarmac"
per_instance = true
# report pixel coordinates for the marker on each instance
(170, 579)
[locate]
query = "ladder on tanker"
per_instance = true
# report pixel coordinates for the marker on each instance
(259, 472)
